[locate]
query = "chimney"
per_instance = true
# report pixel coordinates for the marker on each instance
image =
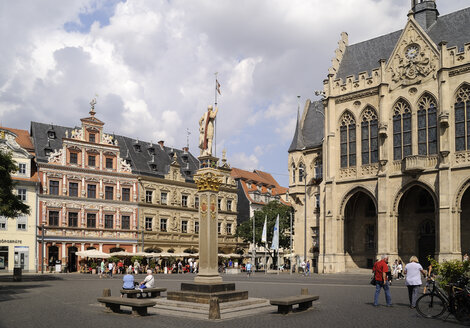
(425, 12)
(161, 143)
(186, 149)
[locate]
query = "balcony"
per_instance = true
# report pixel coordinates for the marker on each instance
(414, 164)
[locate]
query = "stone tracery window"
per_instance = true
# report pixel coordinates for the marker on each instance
(293, 173)
(369, 141)
(462, 119)
(427, 125)
(348, 140)
(401, 130)
(301, 172)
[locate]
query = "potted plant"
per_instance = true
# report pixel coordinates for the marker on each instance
(93, 266)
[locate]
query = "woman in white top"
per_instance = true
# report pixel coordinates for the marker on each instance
(413, 272)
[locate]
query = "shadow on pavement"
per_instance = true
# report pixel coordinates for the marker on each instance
(10, 292)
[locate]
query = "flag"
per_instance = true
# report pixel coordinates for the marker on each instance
(264, 237)
(217, 86)
(275, 244)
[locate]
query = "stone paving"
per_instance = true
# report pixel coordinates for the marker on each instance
(69, 300)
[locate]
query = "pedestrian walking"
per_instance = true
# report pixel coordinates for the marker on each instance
(248, 269)
(380, 272)
(110, 268)
(400, 270)
(413, 279)
(307, 268)
(102, 268)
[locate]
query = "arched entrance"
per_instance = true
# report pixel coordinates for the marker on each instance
(416, 225)
(72, 259)
(465, 223)
(360, 231)
(53, 253)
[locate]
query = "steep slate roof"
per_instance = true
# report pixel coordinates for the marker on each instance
(140, 160)
(259, 178)
(364, 56)
(309, 133)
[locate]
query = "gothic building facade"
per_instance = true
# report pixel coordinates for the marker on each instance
(395, 146)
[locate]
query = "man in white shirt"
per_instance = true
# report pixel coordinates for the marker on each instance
(149, 281)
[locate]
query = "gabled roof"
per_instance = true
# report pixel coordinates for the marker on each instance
(310, 129)
(22, 138)
(365, 56)
(257, 179)
(140, 160)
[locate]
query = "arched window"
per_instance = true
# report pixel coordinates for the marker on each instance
(401, 130)
(318, 169)
(348, 140)
(427, 126)
(369, 142)
(301, 172)
(462, 119)
(293, 173)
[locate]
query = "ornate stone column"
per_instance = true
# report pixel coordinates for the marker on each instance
(208, 183)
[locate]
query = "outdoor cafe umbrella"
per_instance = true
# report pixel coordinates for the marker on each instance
(93, 254)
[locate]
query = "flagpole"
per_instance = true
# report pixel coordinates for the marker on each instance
(215, 119)
(253, 251)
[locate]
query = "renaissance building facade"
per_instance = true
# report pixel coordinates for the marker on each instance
(395, 148)
(18, 235)
(88, 194)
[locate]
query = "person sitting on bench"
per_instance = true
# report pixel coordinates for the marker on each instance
(149, 281)
(128, 280)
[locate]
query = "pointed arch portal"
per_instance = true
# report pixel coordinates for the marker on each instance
(465, 222)
(417, 225)
(360, 231)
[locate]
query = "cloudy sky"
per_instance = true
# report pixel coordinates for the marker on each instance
(152, 65)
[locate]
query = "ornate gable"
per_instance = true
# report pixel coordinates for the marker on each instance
(415, 58)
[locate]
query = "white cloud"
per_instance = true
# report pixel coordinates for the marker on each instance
(244, 161)
(153, 64)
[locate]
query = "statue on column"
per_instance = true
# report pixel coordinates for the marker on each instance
(206, 131)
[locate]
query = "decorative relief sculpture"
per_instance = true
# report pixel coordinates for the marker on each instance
(77, 134)
(207, 182)
(125, 167)
(414, 60)
(56, 157)
(107, 139)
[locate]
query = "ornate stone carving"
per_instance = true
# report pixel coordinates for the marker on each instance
(107, 139)
(77, 134)
(125, 167)
(414, 60)
(56, 157)
(207, 181)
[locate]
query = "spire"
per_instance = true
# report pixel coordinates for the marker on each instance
(425, 12)
(92, 110)
(298, 140)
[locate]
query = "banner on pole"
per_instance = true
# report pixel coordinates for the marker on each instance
(275, 243)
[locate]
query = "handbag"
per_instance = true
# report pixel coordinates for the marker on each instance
(373, 282)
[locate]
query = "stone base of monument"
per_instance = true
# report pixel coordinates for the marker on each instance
(203, 292)
(228, 310)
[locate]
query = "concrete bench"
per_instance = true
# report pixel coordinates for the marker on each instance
(148, 292)
(284, 304)
(139, 306)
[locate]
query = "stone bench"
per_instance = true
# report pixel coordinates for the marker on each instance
(148, 292)
(139, 306)
(284, 304)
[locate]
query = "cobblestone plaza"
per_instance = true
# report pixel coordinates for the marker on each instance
(69, 300)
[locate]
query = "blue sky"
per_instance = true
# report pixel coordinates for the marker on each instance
(152, 65)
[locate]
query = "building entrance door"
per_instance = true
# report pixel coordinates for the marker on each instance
(72, 259)
(426, 243)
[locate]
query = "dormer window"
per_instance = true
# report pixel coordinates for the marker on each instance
(92, 137)
(51, 135)
(153, 167)
(137, 148)
(151, 151)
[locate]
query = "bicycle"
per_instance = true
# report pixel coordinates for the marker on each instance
(436, 302)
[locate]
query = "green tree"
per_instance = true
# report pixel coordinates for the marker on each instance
(10, 205)
(270, 211)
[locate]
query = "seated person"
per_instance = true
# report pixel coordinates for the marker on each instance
(149, 281)
(128, 280)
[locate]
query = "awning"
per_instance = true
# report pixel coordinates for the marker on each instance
(94, 254)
